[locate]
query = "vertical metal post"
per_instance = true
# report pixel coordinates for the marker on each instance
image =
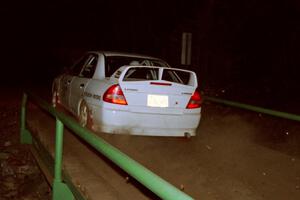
(58, 150)
(60, 189)
(186, 48)
(26, 137)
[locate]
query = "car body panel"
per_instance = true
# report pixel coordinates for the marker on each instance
(154, 107)
(124, 121)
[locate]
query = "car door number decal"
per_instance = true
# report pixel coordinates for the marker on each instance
(95, 96)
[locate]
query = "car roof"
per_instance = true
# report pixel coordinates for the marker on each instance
(112, 53)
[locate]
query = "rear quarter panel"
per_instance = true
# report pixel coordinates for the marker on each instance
(93, 94)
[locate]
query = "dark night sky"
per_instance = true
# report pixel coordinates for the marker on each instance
(241, 38)
(38, 30)
(73, 23)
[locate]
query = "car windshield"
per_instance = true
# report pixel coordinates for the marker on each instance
(112, 63)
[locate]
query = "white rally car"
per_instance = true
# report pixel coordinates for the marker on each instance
(130, 94)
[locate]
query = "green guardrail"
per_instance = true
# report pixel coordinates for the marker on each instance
(254, 108)
(153, 182)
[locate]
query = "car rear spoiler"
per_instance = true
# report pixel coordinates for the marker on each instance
(190, 77)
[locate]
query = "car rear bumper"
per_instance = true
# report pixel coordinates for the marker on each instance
(136, 123)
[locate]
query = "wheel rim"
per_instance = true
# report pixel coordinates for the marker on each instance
(83, 115)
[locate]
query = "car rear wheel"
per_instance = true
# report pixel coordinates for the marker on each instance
(84, 115)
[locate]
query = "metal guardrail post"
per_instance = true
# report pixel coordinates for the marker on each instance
(58, 150)
(254, 108)
(26, 137)
(60, 189)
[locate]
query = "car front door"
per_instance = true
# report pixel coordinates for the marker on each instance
(65, 89)
(80, 82)
(67, 80)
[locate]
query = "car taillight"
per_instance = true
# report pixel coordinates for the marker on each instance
(195, 101)
(115, 95)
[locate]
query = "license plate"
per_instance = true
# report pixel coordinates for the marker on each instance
(157, 100)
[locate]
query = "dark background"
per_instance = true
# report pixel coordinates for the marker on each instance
(248, 50)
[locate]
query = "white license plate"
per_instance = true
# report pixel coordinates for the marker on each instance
(157, 100)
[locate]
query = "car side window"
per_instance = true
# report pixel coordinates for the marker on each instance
(76, 69)
(90, 67)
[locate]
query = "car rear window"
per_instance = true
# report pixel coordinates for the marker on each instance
(141, 74)
(112, 63)
(179, 76)
(176, 76)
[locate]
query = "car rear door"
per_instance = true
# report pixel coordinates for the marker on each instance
(80, 82)
(157, 90)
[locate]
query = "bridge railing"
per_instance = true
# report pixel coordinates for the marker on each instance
(153, 182)
(257, 109)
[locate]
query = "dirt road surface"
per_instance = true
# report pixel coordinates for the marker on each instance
(20, 177)
(235, 155)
